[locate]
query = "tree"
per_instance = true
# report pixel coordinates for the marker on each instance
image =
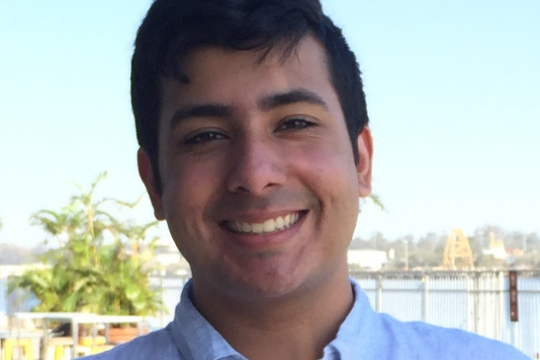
(94, 266)
(377, 201)
(428, 242)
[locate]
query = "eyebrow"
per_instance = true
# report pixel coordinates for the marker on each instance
(266, 103)
(202, 110)
(273, 101)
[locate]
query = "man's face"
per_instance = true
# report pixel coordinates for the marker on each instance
(260, 188)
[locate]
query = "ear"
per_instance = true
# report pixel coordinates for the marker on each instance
(147, 175)
(365, 155)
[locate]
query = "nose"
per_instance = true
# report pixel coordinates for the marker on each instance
(256, 166)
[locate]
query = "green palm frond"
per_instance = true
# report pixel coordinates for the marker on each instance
(86, 273)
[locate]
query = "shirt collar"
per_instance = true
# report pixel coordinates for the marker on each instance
(351, 338)
(196, 339)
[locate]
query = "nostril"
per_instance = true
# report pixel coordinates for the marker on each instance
(255, 179)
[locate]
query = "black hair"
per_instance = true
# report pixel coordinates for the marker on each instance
(174, 28)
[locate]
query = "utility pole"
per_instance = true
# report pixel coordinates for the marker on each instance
(406, 255)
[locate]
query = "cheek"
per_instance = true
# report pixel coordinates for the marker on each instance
(186, 196)
(332, 176)
(332, 173)
(188, 189)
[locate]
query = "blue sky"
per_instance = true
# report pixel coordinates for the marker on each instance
(453, 92)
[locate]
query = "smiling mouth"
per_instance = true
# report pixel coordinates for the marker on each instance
(267, 227)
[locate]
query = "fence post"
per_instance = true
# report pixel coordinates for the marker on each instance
(476, 295)
(379, 293)
(425, 299)
(469, 281)
(500, 302)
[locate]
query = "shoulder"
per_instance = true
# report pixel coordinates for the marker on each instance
(430, 342)
(156, 345)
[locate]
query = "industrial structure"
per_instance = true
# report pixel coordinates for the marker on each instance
(496, 248)
(457, 252)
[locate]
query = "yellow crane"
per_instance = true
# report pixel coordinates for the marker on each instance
(457, 252)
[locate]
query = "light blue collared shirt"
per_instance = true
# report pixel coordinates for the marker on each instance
(364, 335)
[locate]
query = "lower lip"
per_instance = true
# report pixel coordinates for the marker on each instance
(266, 240)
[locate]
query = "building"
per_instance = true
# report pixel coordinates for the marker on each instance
(372, 260)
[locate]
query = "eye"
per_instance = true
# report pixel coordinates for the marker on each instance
(295, 124)
(203, 137)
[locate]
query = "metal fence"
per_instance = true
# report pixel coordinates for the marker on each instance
(475, 301)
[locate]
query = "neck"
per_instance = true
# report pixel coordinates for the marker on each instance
(298, 327)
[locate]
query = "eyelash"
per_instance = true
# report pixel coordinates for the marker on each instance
(203, 137)
(208, 136)
(305, 124)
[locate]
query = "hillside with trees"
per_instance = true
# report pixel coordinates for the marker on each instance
(427, 251)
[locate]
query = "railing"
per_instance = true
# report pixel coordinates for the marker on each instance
(476, 301)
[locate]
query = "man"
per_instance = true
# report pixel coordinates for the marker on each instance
(255, 148)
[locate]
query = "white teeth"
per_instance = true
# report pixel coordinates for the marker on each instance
(287, 220)
(257, 228)
(268, 226)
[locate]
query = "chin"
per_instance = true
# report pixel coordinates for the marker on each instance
(267, 286)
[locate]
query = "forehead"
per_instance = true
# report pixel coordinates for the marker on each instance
(239, 78)
(307, 54)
